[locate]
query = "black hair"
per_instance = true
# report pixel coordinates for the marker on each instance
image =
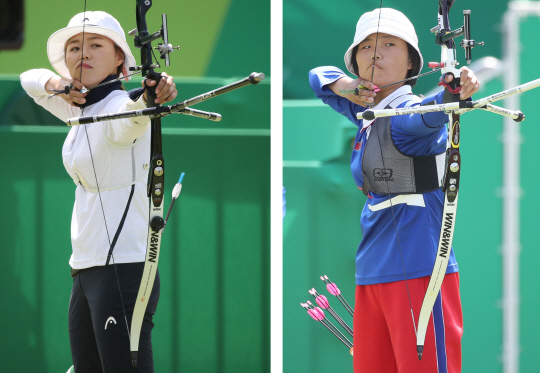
(119, 51)
(413, 56)
(119, 69)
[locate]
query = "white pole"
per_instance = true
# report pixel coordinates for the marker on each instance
(511, 186)
(511, 196)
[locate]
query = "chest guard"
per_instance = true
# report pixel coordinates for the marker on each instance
(386, 170)
(115, 166)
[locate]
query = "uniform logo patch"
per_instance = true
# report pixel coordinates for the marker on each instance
(109, 320)
(383, 174)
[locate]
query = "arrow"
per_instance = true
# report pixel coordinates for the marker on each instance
(322, 301)
(175, 193)
(318, 315)
(334, 290)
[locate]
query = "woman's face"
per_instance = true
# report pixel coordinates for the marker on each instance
(391, 63)
(99, 58)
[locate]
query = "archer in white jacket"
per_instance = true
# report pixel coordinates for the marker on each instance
(108, 162)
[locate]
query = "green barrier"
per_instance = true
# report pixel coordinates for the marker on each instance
(215, 252)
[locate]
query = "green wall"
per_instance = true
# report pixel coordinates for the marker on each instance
(321, 228)
(215, 254)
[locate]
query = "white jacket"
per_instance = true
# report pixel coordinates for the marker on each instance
(120, 153)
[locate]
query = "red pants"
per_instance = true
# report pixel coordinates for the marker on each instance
(384, 336)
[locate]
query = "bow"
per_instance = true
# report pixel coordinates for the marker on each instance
(445, 38)
(156, 176)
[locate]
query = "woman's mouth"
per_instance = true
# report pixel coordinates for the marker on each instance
(84, 65)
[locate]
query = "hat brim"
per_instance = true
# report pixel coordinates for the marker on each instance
(57, 43)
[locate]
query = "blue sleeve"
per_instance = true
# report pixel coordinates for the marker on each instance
(320, 78)
(422, 124)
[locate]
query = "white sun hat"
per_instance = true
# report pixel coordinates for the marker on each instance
(93, 22)
(392, 22)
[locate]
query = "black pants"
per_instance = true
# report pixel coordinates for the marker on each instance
(97, 327)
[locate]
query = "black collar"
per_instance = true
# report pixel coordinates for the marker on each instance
(97, 94)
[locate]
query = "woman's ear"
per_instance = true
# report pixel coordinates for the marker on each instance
(120, 57)
(410, 64)
(124, 70)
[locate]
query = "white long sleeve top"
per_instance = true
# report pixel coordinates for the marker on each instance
(120, 152)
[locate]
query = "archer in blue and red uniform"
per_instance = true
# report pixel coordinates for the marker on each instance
(398, 162)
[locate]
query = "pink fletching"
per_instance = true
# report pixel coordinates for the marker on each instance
(322, 301)
(333, 289)
(320, 312)
(314, 314)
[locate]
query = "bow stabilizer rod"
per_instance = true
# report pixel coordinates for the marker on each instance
(180, 108)
(253, 78)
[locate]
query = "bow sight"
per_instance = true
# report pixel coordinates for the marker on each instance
(445, 36)
(142, 38)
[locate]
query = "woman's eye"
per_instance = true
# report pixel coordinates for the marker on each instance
(366, 47)
(390, 44)
(96, 45)
(74, 49)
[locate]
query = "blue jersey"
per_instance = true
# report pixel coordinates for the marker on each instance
(385, 255)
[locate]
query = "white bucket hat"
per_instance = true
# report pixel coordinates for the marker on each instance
(93, 22)
(392, 22)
